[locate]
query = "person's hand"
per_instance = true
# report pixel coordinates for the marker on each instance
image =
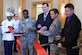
(59, 45)
(43, 28)
(39, 31)
(39, 26)
(58, 37)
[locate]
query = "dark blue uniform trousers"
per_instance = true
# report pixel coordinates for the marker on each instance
(8, 47)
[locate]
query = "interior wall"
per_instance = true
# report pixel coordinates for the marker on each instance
(9, 3)
(29, 7)
(62, 16)
(55, 3)
(78, 9)
(1, 10)
(14, 4)
(21, 6)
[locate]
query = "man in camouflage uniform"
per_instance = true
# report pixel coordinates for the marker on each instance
(27, 27)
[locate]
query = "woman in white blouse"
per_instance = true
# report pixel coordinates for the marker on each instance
(7, 36)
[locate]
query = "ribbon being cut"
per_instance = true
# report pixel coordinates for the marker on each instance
(40, 50)
(18, 43)
(17, 37)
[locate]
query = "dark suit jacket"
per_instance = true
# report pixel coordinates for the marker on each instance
(47, 22)
(71, 31)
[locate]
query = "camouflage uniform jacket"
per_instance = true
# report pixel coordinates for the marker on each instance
(54, 30)
(25, 25)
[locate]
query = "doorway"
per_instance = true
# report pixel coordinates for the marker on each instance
(37, 8)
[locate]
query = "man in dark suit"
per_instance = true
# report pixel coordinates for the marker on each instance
(70, 31)
(44, 19)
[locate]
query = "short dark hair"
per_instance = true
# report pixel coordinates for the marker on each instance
(69, 5)
(46, 4)
(55, 10)
(15, 14)
(25, 10)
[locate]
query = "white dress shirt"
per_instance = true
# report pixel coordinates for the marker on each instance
(16, 27)
(7, 36)
(45, 15)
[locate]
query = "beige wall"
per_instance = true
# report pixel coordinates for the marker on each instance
(78, 8)
(11, 3)
(55, 5)
(1, 10)
(8, 4)
(14, 4)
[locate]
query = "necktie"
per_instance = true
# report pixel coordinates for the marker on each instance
(45, 16)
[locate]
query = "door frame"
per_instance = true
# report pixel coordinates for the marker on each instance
(39, 2)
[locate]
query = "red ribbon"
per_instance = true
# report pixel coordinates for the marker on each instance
(40, 50)
(17, 38)
(18, 43)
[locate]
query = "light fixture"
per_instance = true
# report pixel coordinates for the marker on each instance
(19, 10)
(62, 9)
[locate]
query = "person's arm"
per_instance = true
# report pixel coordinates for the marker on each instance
(4, 27)
(55, 29)
(20, 27)
(39, 22)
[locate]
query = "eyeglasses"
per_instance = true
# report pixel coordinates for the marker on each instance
(16, 16)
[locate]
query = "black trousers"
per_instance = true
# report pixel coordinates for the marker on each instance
(72, 51)
(8, 47)
(43, 40)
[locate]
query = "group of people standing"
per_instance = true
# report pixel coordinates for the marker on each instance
(49, 28)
